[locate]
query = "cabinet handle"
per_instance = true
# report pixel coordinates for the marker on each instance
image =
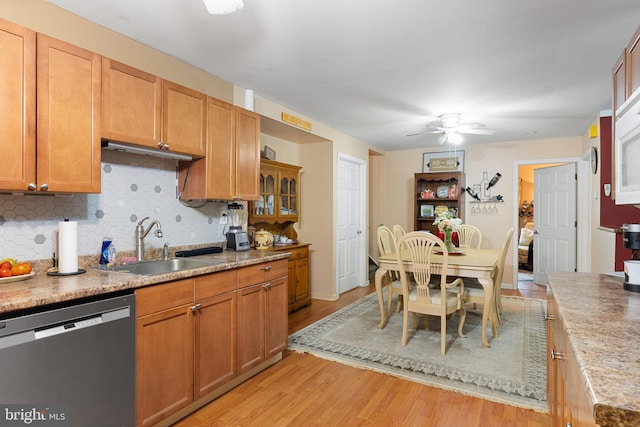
(165, 146)
(44, 187)
(32, 186)
(549, 316)
(266, 268)
(267, 286)
(556, 355)
(195, 307)
(160, 144)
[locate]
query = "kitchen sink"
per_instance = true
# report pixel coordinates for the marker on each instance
(162, 266)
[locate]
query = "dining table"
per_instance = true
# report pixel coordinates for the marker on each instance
(480, 264)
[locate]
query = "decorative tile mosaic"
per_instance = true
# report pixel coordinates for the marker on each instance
(133, 187)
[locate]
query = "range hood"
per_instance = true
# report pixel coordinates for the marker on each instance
(136, 149)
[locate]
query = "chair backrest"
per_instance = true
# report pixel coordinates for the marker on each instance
(466, 235)
(420, 247)
(398, 231)
(501, 259)
(386, 240)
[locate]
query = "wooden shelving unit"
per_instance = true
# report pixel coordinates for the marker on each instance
(448, 190)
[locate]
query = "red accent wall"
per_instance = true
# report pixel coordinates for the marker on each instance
(612, 215)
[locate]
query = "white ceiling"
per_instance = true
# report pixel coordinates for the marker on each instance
(381, 69)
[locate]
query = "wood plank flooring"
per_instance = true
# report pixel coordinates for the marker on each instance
(302, 390)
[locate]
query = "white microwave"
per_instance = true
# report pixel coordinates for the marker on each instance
(627, 161)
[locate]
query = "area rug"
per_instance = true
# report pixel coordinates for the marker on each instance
(511, 371)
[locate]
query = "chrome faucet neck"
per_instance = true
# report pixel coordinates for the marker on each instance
(141, 233)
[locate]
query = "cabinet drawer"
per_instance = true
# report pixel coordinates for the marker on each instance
(215, 284)
(163, 297)
(259, 273)
(299, 253)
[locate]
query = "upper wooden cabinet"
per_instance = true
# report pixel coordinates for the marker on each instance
(230, 169)
(143, 109)
(620, 81)
(279, 200)
(37, 70)
(444, 190)
(18, 95)
(633, 63)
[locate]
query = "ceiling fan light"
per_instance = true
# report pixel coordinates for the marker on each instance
(454, 137)
(222, 7)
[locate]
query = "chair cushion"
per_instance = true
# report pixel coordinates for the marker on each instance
(452, 297)
(526, 236)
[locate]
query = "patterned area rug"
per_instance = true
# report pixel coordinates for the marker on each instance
(511, 371)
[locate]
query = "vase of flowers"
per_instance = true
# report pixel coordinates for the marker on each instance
(447, 224)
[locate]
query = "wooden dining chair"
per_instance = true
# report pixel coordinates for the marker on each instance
(421, 298)
(387, 245)
(466, 235)
(475, 292)
(398, 231)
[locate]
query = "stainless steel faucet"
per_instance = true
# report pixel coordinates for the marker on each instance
(141, 233)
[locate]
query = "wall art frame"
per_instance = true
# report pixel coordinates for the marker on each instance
(444, 161)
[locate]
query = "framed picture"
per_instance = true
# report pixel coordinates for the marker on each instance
(426, 211)
(446, 161)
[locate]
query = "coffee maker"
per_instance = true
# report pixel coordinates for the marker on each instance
(631, 240)
(237, 240)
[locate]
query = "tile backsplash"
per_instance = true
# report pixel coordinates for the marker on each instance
(133, 187)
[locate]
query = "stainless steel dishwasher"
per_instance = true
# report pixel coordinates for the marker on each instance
(69, 365)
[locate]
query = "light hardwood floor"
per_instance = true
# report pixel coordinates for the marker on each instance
(302, 390)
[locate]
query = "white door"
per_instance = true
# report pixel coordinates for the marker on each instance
(554, 241)
(350, 251)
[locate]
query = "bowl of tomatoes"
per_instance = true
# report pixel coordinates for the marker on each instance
(13, 271)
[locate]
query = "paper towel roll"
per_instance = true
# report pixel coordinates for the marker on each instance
(67, 247)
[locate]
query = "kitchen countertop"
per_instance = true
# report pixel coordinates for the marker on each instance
(41, 289)
(602, 323)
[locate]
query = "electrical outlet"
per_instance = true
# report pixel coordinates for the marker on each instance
(223, 219)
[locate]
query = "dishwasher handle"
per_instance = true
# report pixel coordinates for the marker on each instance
(63, 328)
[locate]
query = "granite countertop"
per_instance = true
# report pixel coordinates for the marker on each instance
(40, 289)
(602, 322)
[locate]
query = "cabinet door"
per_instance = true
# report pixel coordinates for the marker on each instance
(251, 327)
(215, 345)
(18, 99)
(131, 104)
(264, 210)
(68, 96)
(302, 279)
(288, 195)
(619, 82)
(633, 64)
(184, 119)
(277, 323)
(164, 364)
(247, 154)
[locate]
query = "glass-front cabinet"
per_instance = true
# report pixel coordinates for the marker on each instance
(279, 198)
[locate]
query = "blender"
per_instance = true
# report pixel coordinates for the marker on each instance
(237, 240)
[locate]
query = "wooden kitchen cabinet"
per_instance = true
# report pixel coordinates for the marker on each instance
(633, 63)
(164, 350)
(299, 285)
(230, 169)
(18, 95)
(279, 200)
(38, 156)
(440, 188)
(142, 109)
(568, 402)
(262, 313)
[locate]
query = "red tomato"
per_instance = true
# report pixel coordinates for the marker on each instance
(6, 265)
(5, 272)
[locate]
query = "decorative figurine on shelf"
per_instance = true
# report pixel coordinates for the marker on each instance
(494, 180)
(473, 193)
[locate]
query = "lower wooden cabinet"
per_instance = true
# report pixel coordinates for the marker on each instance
(196, 336)
(568, 402)
(262, 315)
(299, 287)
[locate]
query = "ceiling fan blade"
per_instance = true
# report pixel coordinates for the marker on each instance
(473, 131)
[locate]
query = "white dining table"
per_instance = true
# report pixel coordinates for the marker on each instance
(480, 264)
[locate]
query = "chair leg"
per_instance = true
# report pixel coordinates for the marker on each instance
(443, 334)
(399, 303)
(389, 298)
(405, 325)
(462, 313)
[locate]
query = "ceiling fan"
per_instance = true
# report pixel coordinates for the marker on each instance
(450, 129)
